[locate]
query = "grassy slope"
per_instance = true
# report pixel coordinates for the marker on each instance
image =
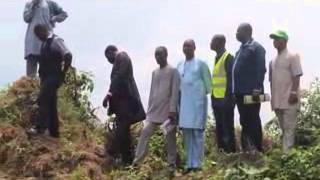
(79, 153)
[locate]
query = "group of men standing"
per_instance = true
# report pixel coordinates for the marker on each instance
(177, 95)
(180, 94)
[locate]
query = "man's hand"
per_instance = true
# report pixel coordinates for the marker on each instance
(293, 98)
(67, 62)
(35, 3)
(172, 116)
(53, 19)
(106, 100)
(255, 95)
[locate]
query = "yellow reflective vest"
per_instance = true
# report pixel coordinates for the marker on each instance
(219, 77)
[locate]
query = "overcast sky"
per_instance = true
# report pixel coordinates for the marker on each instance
(139, 26)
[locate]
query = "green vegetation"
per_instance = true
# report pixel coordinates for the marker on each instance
(79, 154)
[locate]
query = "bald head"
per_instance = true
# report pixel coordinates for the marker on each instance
(41, 31)
(189, 46)
(161, 55)
(110, 53)
(189, 42)
(218, 42)
(244, 32)
(162, 50)
(246, 27)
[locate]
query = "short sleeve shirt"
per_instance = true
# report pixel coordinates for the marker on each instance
(283, 69)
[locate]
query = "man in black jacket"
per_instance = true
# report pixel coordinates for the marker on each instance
(248, 76)
(53, 55)
(124, 101)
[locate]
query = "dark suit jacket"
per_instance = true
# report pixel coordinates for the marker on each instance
(125, 100)
(249, 68)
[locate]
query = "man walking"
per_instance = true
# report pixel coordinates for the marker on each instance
(248, 76)
(195, 85)
(44, 12)
(221, 98)
(285, 72)
(124, 101)
(53, 54)
(163, 101)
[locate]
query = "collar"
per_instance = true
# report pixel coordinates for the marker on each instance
(247, 43)
(165, 67)
(220, 55)
(51, 35)
(285, 51)
(190, 60)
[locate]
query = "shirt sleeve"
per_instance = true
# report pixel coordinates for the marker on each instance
(59, 46)
(28, 12)
(295, 66)
(175, 91)
(261, 66)
(206, 77)
(120, 72)
(58, 14)
(228, 67)
(151, 90)
(270, 71)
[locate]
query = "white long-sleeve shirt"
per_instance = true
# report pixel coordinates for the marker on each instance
(46, 13)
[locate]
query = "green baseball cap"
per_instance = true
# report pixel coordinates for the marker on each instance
(279, 35)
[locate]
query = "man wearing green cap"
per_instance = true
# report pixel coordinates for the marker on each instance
(285, 72)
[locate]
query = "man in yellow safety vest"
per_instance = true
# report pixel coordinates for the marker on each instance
(222, 101)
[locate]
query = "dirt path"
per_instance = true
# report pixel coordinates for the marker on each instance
(3, 176)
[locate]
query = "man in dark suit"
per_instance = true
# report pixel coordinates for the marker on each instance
(53, 54)
(248, 75)
(124, 101)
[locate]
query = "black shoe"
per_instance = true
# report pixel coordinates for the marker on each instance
(55, 136)
(127, 161)
(187, 171)
(196, 169)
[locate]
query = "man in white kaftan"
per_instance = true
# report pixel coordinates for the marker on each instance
(163, 101)
(195, 85)
(44, 12)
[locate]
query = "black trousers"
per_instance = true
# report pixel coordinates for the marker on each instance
(224, 116)
(121, 145)
(47, 101)
(251, 135)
